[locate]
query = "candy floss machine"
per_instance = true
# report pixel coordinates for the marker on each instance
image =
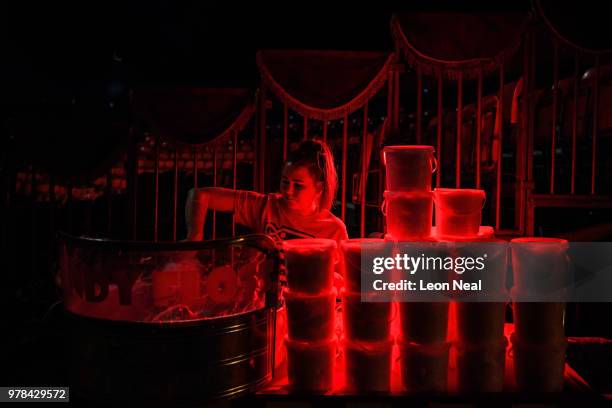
(179, 321)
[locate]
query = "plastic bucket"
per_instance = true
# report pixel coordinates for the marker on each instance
(368, 366)
(351, 251)
(539, 265)
(424, 368)
(366, 321)
(458, 211)
(409, 168)
(310, 317)
(310, 365)
(539, 367)
(492, 277)
(480, 322)
(536, 322)
(310, 264)
(480, 367)
(424, 322)
(408, 215)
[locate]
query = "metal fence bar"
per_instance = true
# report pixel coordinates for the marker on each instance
(364, 170)
(459, 126)
(527, 218)
(419, 113)
(500, 118)
(440, 113)
(478, 127)
(344, 158)
(555, 95)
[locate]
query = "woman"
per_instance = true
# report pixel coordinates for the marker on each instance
(301, 209)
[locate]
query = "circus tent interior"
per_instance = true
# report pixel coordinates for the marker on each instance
(112, 119)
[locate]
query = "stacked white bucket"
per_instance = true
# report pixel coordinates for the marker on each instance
(480, 343)
(367, 341)
(539, 341)
(311, 307)
(408, 207)
(424, 347)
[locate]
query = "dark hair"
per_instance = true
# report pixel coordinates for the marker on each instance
(316, 156)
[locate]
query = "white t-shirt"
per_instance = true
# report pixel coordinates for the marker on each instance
(265, 213)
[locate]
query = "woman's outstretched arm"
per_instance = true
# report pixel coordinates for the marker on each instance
(199, 201)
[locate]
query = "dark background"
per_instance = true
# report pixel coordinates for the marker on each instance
(208, 43)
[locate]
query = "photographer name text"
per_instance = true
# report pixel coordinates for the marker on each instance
(407, 285)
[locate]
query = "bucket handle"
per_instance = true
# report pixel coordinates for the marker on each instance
(383, 207)
(435, 164)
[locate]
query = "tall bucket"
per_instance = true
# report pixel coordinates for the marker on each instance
(310, 264)
(366, 321)
(352, 251)
(409, 168)
(368, 366)
(424, 367)
(540, 269)
(539, 367)
(196, 346)
(539, 265)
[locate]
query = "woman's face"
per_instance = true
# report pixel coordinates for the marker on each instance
(299, 189)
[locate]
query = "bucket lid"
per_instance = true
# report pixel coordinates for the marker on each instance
(485, 234)
(357, 243)
(309, 244)
(408, 194)
(543, 244)
(543, 240)
(429, 239)
(398, 148)
(474, 191)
